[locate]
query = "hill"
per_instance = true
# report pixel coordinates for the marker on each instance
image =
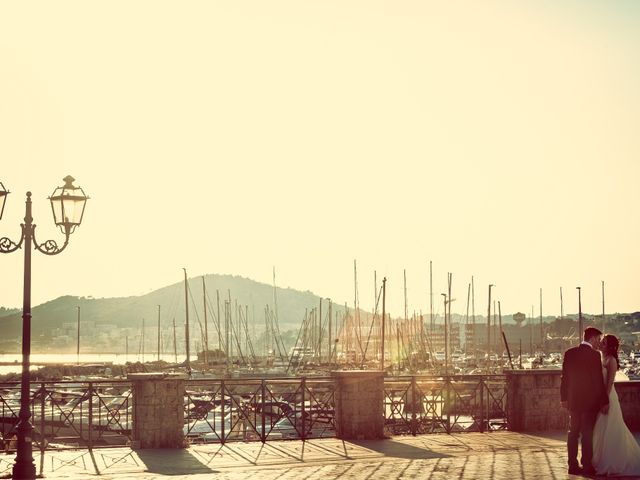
(128, 312)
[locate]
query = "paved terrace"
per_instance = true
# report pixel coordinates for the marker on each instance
(497, 455)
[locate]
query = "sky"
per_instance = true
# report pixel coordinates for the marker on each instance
(495, 139)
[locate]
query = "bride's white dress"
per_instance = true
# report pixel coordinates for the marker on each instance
(615, 450)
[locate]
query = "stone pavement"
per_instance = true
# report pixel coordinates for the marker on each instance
(497, 455)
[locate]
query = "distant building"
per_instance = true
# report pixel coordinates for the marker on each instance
(470, 338)
(437, 337)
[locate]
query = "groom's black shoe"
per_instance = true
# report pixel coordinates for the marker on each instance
(589, 471)
(575, 470)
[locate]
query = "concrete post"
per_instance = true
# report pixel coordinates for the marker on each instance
(158, 410)
(359, 402)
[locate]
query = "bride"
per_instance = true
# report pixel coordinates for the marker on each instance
(615, 450)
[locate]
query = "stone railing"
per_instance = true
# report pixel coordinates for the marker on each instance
(534, 401)
(171, 412)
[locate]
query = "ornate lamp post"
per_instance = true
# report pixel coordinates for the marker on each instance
(67, 204)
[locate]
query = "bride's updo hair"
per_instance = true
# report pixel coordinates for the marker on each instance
(611, 344)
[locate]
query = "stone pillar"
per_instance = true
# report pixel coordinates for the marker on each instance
(359, 402)
(158, 410)
(533, 401)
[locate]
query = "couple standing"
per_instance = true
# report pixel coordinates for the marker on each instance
(588, 373)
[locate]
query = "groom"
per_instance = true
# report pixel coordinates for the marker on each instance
(582, 391)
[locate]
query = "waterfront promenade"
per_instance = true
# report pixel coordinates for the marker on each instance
(497, 455)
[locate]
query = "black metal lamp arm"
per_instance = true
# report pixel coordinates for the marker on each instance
(7, 245)
(50, 247)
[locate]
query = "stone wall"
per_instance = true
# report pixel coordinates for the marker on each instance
(629, 395)
(533, 401)
(158, 410)
(359, 400)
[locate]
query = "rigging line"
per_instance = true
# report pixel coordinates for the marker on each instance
(235, 334)
(375, 313)
(195, 310)
(277, 336)
(325, 325)
(246, 332)
(214, 314)
(277, 328)
(272, 337)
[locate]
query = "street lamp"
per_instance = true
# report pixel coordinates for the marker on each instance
(68, 204)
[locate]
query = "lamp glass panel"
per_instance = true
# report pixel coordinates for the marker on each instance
(56, 205)
(73, 206)
(3, 198)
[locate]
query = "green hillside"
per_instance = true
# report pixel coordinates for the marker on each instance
(128, 312)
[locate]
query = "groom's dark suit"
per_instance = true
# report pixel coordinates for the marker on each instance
(583, 389)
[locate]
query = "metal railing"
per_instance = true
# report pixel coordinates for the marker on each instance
(70, 414)
(445, 404)
(224, 410)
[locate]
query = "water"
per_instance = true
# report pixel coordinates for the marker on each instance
(72, 358)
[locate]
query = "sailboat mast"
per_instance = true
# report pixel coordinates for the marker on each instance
(489, 330)
(473, 302)
(320, 332)
(448, 327)
(404, 272)
(186, 323)
(158, 332)
(220, 347)
(175, 342)
(466, 317)
(227, 349)
(531, 320)
(473, 319)
(466, 321)
(275, 296)
(496, 342)
(384, 294)
(431, 297)
(206, 328)
(330, 336)
(541, 325)
(229, 320)
(376, 327)
(356, 309)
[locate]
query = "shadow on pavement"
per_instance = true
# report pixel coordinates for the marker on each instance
(172, 462)
(392, 448)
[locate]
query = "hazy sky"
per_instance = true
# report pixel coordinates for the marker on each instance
(498, 139)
